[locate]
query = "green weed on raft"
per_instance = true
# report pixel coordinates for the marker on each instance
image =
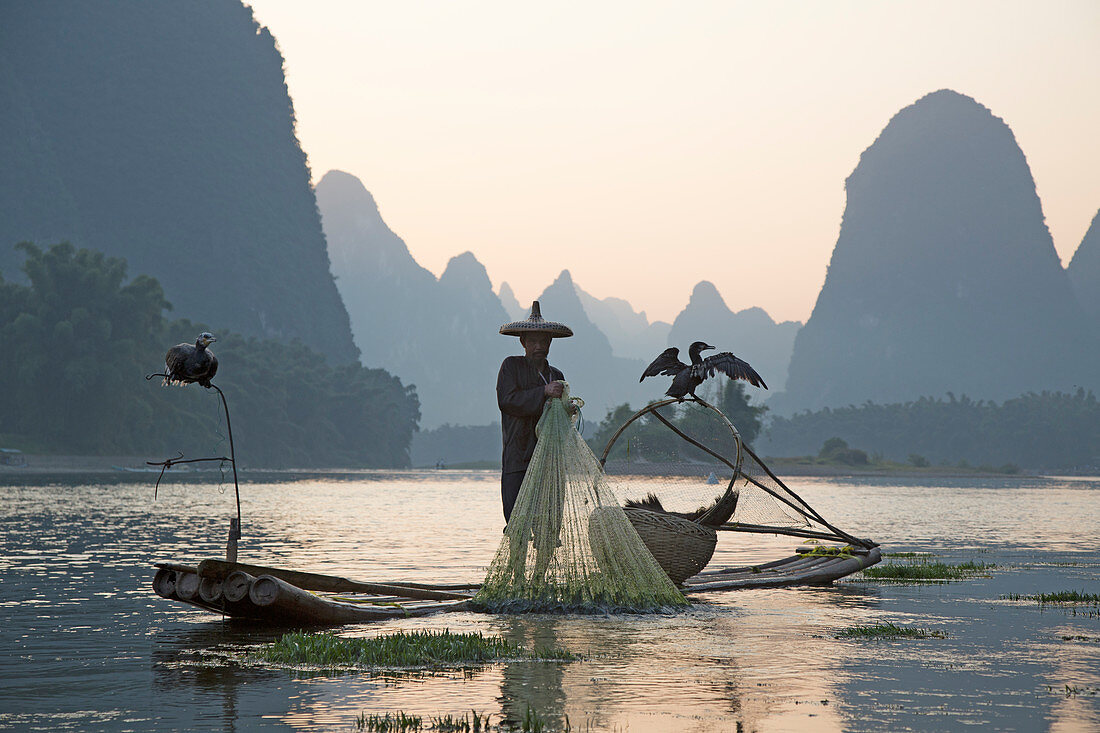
(427, 649)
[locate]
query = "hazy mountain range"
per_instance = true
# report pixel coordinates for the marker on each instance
(438, 334)
(163, 133)
(944, 276)
(629, 331)
(442, 335)
(1084, 270)
(751, 333)
(944, 279)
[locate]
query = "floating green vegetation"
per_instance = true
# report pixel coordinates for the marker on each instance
(1081, 637)
(1061, 598)
(926, 572)
(432, 649)
(534, 723)
(909, 555)
(397, 722)
(474, 722)
(1069, 598)
(889, 631)
(1074, 690)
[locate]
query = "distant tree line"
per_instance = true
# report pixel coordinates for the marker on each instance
(79, 340)
(1047, 430)
(454, 444)
(449, 444)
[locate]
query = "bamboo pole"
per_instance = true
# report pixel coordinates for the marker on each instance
(291, 603)
(213, 568)
(768, 529)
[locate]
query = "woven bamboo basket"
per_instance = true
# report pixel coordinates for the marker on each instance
(682, 548)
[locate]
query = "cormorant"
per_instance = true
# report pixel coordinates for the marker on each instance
(686, 377)
(187, 363)
(652, 503)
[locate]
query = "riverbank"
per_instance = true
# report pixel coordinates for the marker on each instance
(120, 465)
(38, 464)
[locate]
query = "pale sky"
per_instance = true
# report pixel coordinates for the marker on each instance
(646, 146)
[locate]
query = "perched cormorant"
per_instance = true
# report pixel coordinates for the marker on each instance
(187, 363)
(652, 503)
(686, 377)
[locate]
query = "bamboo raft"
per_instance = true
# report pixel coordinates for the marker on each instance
(682, 546)
(284, 597)
(290, 597)
(804, 568)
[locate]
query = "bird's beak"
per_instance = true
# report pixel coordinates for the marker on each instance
(210, 340)
(707, 347)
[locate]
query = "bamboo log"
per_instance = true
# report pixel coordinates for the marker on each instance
(762, 580)
(187, 586)
(291, 603)
(698, 577)
(824, 571)
(177, 566)
(785, 566)
(315, 581)
(847, 566)
(164, 583)
(235, 587)
(199, 603)
(456, 587)
(210, 590)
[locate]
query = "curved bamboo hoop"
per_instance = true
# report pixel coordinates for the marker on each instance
(717, 514)
(717, 511)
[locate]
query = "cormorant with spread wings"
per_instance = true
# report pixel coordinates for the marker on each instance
(686, 377)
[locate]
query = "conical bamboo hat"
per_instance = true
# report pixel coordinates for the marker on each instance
(535, 323)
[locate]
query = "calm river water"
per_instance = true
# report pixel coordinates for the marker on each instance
(86, 645)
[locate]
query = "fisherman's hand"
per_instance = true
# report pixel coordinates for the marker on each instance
(554, 389)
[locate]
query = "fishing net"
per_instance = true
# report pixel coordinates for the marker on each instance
(686, 459)
(569, 545)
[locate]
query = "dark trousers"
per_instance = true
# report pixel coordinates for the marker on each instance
(509, 490)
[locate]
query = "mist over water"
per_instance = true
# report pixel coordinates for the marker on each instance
(92, 648)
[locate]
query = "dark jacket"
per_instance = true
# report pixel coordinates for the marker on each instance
(520, 398)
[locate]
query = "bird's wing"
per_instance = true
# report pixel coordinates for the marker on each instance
(176, 358)
(729, 365)
(213, 366)
(668, 363)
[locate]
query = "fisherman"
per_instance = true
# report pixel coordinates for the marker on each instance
(524, 383)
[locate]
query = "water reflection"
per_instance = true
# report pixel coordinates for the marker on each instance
(535, 685)
(91, 647)
(1075, 678)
